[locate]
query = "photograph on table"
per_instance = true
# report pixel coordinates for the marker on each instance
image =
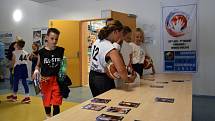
(105, 117)
(118, 110)
(94, 107)
(166, 100)
(162, 82)
(129, 104)
(177, 80)
(100, 100)
(156, 86)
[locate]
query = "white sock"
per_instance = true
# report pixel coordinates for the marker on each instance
(26, 95)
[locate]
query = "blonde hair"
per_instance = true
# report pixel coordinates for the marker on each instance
(141, 31)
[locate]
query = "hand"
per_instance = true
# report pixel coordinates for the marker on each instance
(178, 25)
(131, 78)
(36, 74)
(119, 41)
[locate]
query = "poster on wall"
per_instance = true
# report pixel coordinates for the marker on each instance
(180, 36)
(39, 35)
(5, 38)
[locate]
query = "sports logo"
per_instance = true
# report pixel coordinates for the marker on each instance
(176, 23)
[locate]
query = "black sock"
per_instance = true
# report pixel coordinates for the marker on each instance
(48, 110)
(56, 109)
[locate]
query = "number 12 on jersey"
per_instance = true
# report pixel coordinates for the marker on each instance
(95, 53)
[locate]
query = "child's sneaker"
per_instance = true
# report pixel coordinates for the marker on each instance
(26, 100)
(12, 98)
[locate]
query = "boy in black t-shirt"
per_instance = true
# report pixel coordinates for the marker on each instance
(49, 60)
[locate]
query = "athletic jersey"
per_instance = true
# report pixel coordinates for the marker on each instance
(50, 61)
(21, 57)
(126, 51)
(138, 53)
(100, 48)
(116, 45)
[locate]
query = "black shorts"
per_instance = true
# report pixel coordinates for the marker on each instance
(100, 83)
(138, 68)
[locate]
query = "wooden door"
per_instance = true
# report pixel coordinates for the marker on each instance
(70, 40)
(125, 19)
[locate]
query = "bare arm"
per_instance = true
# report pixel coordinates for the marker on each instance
(13, 60)
(120, 66)
(37, 68)
(38, 62)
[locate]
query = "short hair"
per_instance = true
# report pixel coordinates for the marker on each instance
(139, 30)
(20, 43)
(126, 30)
(54, 30)
(108, 20)
(37, 46)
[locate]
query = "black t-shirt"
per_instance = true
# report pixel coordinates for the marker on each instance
(50, 61)
(10, 51)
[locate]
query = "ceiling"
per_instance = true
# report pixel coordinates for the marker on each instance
(42, 1)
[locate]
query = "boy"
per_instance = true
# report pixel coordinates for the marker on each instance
(19, 62)
(49, 60)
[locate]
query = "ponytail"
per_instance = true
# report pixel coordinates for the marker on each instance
(107, 30)
(103, 33)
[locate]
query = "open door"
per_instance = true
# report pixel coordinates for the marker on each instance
(70, 40)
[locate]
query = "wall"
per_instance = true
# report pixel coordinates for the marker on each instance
(148, 12)
(35, 15)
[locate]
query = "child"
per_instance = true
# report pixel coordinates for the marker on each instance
(144, 47)
(49, 60)
(138, 53)
(9, 57)
(126, 51)
(34, 56)
(103, 50)
(19, 61)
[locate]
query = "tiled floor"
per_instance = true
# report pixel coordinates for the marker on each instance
(203, 107)
(78, 94)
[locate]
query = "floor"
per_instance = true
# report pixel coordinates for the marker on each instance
(203, 106)
(78, 94)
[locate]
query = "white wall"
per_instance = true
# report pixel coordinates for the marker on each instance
(35, 15)
(148, 12)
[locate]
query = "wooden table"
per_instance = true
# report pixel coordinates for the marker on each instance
(149, 109)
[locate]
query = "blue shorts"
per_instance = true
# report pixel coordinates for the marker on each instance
(21, 71)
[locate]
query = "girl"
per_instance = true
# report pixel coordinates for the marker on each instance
(144, 48)
(103, 50)
(34, 56)
(138, 52)
(126, 52)
(49, 60)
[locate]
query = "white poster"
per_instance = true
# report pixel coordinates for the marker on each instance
(5, 38)
(179, 35)
(39, 36)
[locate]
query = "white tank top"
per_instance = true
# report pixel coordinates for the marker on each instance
(100, 48)
(21, 57)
